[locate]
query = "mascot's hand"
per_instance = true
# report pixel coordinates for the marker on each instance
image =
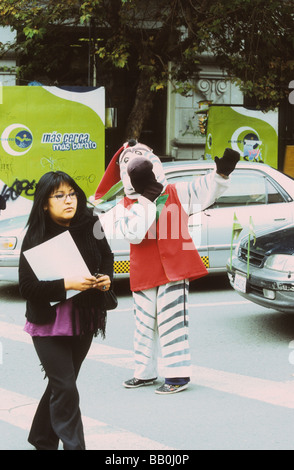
(143, 179)
(226, 164)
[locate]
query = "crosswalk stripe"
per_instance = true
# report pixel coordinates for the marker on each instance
(18, 410)
(14, 332)
(264, 390)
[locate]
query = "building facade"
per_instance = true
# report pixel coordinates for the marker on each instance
(187, 116)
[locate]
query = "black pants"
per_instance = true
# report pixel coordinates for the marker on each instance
(58, 415)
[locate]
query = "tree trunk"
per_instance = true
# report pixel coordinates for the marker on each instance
(142, 107)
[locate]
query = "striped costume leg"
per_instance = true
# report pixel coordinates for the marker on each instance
(146, 336)
(163, 309)
(172, 318)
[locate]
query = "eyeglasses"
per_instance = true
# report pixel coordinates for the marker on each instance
(63, 197)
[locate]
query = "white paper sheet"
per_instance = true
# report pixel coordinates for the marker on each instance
(57, 258)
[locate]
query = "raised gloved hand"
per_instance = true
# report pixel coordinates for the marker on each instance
(143, 179)
(226, 164)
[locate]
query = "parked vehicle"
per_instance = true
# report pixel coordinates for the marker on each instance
(256, 191)
(12, 231)
(268, 278)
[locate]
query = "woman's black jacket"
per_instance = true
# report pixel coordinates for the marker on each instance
(38, 294)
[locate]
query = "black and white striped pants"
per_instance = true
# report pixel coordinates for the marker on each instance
(162, 313)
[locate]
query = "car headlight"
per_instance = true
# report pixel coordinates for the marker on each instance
(280, 263)
(7, 243)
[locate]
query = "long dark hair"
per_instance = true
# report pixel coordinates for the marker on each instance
(47, 184)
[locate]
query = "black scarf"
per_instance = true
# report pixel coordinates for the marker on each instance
(87, 305)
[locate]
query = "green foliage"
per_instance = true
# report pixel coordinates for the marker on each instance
(252, 40)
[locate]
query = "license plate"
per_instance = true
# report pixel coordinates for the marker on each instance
(240, 283)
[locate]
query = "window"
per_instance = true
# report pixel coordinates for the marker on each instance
(249, 188)
(273, 194)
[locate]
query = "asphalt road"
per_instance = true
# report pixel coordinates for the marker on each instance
(241, 395)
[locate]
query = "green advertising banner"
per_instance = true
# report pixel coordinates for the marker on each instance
(253, 134)
(48, 129)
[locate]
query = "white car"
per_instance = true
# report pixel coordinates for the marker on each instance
(12, 232)
(256, 191)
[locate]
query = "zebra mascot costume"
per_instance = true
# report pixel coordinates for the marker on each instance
(153, 217)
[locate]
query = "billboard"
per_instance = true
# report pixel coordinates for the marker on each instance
(254, 134)
(48, 129)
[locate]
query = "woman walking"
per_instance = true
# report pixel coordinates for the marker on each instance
(62, 334)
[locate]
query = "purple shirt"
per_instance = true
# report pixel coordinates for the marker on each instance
(62, 325)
